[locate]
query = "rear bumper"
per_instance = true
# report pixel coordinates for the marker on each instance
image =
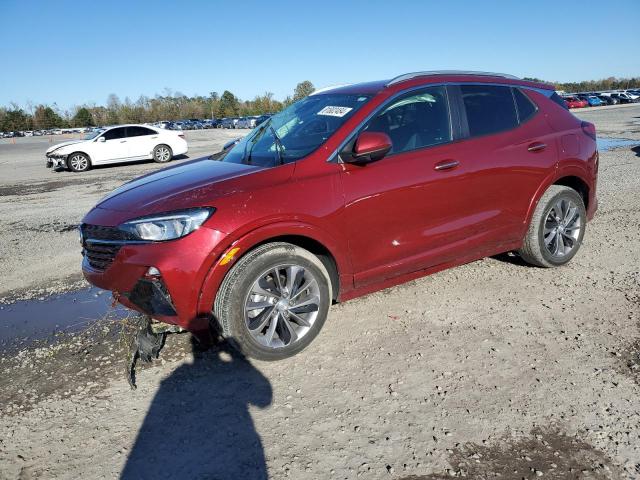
(171, 297)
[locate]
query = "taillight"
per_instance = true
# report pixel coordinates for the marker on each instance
(589, 129)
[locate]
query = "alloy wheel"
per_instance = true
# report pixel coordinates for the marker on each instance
(79, 162)
(282, 305)
(562, 228)
(162, 154)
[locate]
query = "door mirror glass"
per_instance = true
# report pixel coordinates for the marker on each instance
(370, 146)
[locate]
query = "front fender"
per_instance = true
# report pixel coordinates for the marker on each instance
(247, 241)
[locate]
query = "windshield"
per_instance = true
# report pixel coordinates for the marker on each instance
(296, 131)
(92, 135)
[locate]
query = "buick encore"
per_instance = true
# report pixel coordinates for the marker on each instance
(348, 191)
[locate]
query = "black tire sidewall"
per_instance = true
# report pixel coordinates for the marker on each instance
(577, 200)
(238, 333)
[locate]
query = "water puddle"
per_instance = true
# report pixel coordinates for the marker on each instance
(608, 143)
(28, 322)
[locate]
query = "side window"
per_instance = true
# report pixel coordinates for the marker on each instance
(490, 109)
(114, 133)
(526, 108)
(415, 121)
(139, 131)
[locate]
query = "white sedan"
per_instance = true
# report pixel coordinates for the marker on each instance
(122, 143)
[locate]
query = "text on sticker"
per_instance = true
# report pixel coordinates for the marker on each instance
(335, 111)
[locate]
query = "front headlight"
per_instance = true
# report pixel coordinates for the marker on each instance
(167, 226)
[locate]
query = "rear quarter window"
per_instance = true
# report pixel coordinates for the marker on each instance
(526, 108)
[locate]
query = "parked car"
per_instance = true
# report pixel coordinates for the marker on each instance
(625, 97)
(227, 123)
(345, 192)
(122, 143)
(608, 100)
(575, 102)
(245, 122)
(592, 100)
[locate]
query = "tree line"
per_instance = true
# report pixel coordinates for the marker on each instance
(177, 106)
(168, 106)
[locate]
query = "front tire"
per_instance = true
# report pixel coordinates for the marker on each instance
(78, 162)
(274, 301)
(162, 153)
(556, 229)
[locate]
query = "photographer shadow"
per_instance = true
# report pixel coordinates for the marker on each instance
(199, 425)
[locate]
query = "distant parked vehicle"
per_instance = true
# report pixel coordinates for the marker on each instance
(122, 143)
(592, 100)
(227, 123)
(575, 102)
(244, 122)
(625, 97)
(608, 100)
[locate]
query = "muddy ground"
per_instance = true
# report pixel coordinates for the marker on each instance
(489, 370)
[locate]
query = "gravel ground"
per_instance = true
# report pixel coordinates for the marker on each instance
(492, 368)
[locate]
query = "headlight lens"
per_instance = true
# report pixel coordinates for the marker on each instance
(167, 226)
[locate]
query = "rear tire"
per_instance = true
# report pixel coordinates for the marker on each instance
(78, 162)
(268, 317)
(162, 153)
(556, 229)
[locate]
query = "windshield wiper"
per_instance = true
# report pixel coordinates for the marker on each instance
(253, 141)
(279, 145)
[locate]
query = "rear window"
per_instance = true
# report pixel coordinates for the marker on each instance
(490, 109)
(526, 108)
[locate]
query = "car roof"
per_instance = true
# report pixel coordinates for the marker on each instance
(409, 79)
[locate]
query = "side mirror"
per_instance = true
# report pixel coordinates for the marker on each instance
(371, 146)
(102, 139)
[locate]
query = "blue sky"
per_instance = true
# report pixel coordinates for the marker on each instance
(80, 52)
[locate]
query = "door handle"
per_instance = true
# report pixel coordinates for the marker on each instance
(446, 165)
(123, 141)
(537, 146)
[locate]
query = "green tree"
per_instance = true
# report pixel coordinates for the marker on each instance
(303, 89)
(16, 119)
(229, 106)
(45, 117)
(82, 118)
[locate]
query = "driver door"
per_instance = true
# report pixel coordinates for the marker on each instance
(405, 212)
(115, 147)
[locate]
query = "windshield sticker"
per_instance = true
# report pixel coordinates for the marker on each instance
(335, 111)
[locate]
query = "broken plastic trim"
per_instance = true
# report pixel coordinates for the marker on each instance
(152, 297)
(146, 342)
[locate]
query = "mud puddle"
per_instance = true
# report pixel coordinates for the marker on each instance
(28, 322)
(609, 143)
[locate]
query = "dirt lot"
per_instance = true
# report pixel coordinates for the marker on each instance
(492, 369)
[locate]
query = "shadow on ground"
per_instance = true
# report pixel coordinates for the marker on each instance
(544, 454)
(199, 425)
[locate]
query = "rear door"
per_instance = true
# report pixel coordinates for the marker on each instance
(509, 151)
(141, 141)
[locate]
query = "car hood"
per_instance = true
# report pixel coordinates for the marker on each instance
(194, 183)
(63, 144)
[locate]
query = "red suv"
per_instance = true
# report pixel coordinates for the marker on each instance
(348, 191)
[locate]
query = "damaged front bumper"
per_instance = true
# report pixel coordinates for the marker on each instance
(56, 161)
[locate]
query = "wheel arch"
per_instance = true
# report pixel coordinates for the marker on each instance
(570, 177)
(305, 236)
